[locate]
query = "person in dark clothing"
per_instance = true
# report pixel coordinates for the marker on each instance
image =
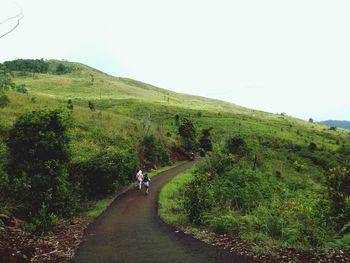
(146, 181)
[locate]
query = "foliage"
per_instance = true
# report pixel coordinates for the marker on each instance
(27, 65)
(205, 141)
(338, 185)
(187, 132)
(70, 105)
(38, 155)
(198, 197)
(340, 243)
(61, 69)
(237, 145)
(105, 173)
(154, 151)
(92, 106)
(44, 221)
(238, 201)
(4, 100)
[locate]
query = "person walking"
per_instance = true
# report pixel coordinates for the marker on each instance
(146, 181)
(139, 178)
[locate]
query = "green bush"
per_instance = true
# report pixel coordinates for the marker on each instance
(187, 131)
(205, 141)
(4, 100)
(154, 152)
(340, 243)
(104, 173)
(237, 145)
(38, 155)
(44, 221)
(228, 223)
(338, 185)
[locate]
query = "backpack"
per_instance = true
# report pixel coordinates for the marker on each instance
(145, 179)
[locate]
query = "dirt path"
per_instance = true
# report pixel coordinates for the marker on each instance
(131, 231)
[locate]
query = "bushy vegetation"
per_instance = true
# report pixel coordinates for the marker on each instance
(105, 173)
(268, 177)
(154, 152)
(38, 155)
(26, 65)
(261, 205)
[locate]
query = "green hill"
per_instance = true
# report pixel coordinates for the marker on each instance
(336, 123)
(132, 120)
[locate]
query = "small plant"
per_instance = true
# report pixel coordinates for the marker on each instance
(298, 166)
(312, 147)
(92, 106)
(4, 101)
(21, 89)
(70, 105)
(44, 221)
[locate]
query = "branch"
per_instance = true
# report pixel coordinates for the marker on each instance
(18, 17)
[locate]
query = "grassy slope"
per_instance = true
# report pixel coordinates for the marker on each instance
(125, 105)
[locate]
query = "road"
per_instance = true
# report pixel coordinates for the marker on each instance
(131, 231)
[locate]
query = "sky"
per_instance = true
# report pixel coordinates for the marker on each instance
(289, 56)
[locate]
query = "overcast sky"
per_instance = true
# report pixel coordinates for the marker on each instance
(278, 56)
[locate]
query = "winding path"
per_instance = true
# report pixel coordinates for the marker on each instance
(131, 231)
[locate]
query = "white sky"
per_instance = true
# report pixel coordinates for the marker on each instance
(288, 56)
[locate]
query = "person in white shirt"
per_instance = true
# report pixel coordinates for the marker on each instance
(139, 178)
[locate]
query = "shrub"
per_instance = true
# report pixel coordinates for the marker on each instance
(21, 89)
(312, 147)
(154, 152)
(198, 200)
(237, 145)
(187, 132)
(105, 173)
(44, 221)
(61, 69)
(205, 141)
(4, 101)
(338, 185)
(38, 155)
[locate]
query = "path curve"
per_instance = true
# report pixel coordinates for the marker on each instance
(131, 231)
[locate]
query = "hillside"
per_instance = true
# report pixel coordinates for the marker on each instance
(114, 126)
(336, 123)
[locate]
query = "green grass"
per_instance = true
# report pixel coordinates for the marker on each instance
(171, 198)
(100, 207)
(162, 169)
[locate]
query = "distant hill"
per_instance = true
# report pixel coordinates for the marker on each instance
(335, 123)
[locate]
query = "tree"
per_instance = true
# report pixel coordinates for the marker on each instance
(237, 145)
(38, 156)
(188, 133)
(61, 69)
(154, 152)
(311, 120)
(205, 141)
